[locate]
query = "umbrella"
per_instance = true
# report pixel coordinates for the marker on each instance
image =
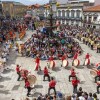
(27, 16)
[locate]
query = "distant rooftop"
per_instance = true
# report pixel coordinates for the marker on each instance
(93, 9)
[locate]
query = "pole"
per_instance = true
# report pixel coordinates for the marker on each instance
(51, 20)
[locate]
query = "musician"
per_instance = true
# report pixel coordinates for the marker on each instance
(92, 42)
(37, 61)
(25, 74)
(18, 72)
(73, 74)
(87, 56)
(98, 86)
(75, 57)
(63, 58)
(98, 75)
(27, 85)
(98, 48)
(46, 74)
(49, 60)
(75, 82)
(52, 85)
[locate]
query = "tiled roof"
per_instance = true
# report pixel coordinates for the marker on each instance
(93, 9)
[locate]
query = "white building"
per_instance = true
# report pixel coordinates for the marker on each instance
(70, 14)
(92, 17)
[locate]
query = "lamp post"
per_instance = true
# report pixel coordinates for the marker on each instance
(52, 11)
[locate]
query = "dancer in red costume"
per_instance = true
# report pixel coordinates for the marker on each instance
(64, 57)
(87, 57)
(37, 61)
(75, 57)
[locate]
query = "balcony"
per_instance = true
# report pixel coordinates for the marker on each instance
(69, 18)
(96, 22)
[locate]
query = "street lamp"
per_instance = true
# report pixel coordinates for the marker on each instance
(52, 14)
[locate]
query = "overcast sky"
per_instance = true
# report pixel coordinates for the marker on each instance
(28, 2)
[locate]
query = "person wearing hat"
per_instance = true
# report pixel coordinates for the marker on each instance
(46, 74)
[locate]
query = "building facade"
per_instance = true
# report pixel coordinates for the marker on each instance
(70, 14)
(92, 17)
(13, 9)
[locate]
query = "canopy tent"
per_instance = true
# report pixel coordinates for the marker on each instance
(27, 16)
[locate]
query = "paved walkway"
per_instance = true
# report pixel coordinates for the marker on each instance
(10, 88)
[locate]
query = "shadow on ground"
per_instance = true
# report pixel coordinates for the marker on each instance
(38, 86)
(4, 79)
(6, 71)
(4, 92)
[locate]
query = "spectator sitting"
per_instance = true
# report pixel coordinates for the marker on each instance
(79, 93)
(90, 97)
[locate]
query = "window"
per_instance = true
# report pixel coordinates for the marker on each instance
(59, 13)
(63, 13)
(67, 13)
(72, 13)
(78, 13)
(95, 18)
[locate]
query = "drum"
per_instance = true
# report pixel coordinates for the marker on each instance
(76, 62)
(65, 63)
(32, 79)
(87, 62)
(52, 64)
(22, 72)
(93, 73)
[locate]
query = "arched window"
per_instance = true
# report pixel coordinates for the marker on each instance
(63, 13)
(78, 13)
(72, 13)
(59, 13)
(67, 13)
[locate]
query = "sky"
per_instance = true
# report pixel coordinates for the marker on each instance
(30, 2)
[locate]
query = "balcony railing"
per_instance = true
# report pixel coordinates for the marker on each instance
(68, 18)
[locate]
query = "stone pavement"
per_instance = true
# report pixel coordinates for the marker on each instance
(10, 88)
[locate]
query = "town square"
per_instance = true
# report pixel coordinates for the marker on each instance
(50, 50)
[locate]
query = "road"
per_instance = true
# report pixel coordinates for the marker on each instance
(10, 88)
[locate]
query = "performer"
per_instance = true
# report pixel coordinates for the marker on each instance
(98, 75)
(98, 48)
(63, 58)
(87, 56)
(37, 61)
(98, 86)
(52, 85)
(75, 82)
(46, 74)
(18, 72)
(25, 74)
(49, 60)
(27, 85)
(73, 74)
(75, 57)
